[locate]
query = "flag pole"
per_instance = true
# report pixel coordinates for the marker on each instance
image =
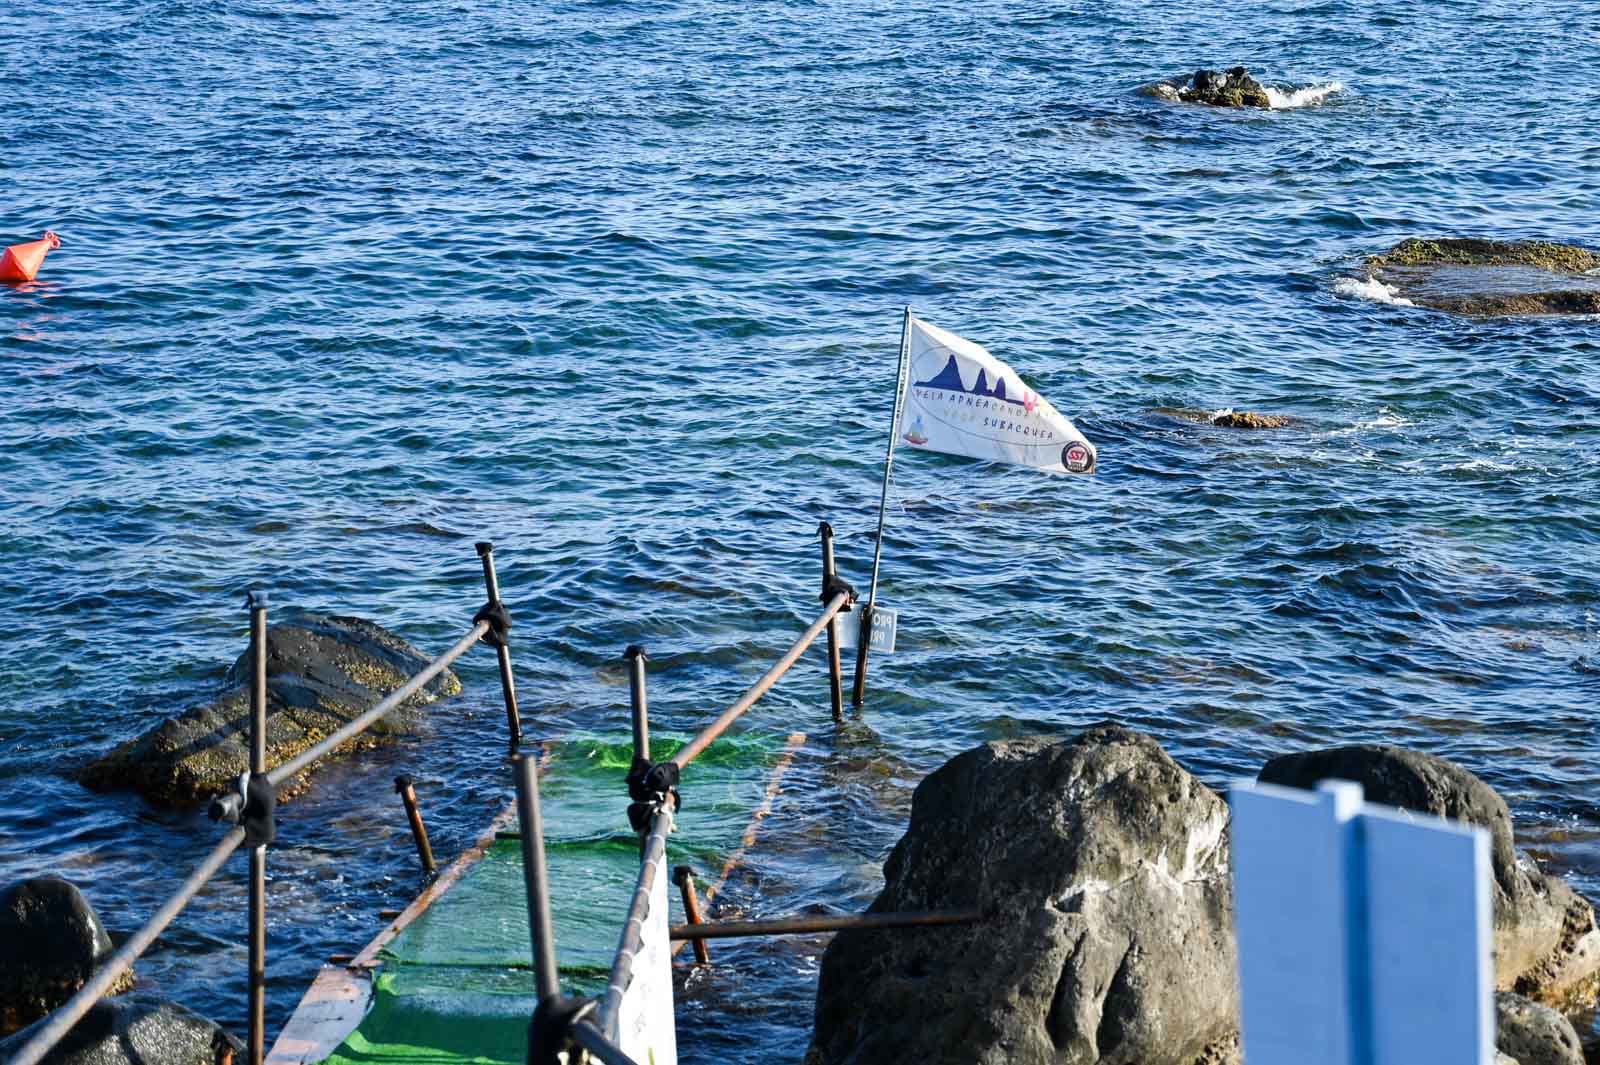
(859, 692)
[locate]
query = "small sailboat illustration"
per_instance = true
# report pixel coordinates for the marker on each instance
(915, 435)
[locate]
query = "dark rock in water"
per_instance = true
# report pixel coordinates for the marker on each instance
(1104, 867)
(1492, 277)
(51, 942)
(1249, 419)
(1236, 88)
(1230, 419)
(1546, 944)
(134, 1033)
(321, 672)
(1532, 1034)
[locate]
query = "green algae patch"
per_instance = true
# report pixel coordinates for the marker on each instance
(1491, 278)
(1466, 251)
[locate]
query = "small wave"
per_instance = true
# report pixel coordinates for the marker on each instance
(1370, 289)
(1309, 96)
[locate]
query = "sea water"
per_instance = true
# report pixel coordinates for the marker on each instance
(346, 286)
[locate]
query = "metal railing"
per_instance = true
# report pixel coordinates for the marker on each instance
(558, 1023)
(253, 810)
(562, 1024)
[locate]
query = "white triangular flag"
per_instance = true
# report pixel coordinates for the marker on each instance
(963, 401)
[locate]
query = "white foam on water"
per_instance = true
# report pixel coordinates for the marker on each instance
(1306, 97)
(1370, 289)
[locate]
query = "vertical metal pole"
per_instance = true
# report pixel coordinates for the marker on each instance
(405, 787)
(508, 685)
(683, 876)
(835, 680)
(859, 691)
(641, 711)
(535, 877)
(258, 853)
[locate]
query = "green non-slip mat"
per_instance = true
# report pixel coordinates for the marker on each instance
(456, 984)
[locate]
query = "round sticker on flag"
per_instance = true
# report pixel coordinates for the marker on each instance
(1077, 457)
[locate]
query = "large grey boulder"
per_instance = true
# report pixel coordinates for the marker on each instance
(1103, 867)
(1546, 944)
(136, 1033)
(51, 942)
(321, 672)
(1533, 1034)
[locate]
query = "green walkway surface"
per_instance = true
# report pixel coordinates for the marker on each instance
(456, 984)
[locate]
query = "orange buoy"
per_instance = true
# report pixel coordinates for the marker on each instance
(21, 262)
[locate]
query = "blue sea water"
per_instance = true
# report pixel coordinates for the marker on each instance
(348, 285)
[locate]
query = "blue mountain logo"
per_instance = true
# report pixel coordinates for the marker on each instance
(949, 379)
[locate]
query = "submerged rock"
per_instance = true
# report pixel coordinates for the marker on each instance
(51, 942)
(1490, 277)
(1546, 944)
(321, 672)
(1228, 419)
(1103, 867)
(1532, 1034)
(1236, 88)
(136, 1033)
(1249, 419)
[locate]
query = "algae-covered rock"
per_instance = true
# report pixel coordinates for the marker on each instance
(1249, 419)
(1491, 277)
(51, 943)
(1465, 251)
(1227, 419)
(1236, 88)
(1546, 944)
(321, 672)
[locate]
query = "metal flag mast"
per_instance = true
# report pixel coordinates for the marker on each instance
(859, 692)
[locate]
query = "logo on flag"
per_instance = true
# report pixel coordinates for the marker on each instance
(964, 401)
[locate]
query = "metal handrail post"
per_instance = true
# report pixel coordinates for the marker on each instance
(535, 876)
(640, 706)
(258, 852)
(829, 575)
(508, 685)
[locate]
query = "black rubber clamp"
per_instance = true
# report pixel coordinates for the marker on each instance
(499, 619)
(550, 1031)
(651, 786)
(259, 817)
(835, 585)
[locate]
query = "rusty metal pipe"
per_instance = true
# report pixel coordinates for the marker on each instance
(683, 876)
(792, 925)
(691, 749)
(405, 787)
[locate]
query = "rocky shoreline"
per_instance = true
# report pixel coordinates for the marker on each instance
(1104, 867)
